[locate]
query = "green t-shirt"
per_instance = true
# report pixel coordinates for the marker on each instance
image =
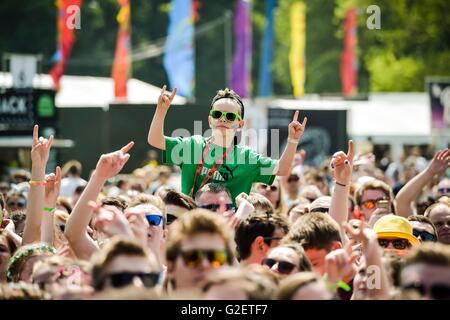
(242, 166)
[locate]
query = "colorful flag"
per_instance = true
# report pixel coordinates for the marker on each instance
(297, 52)
(348, 59)
(179, 56)
(66, 38)
(121, 66)
(241, 68)
(265, 70)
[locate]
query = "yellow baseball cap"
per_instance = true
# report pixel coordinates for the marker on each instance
(392, 226)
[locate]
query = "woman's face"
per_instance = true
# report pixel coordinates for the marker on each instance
(27, 270)
(272, 192)
(5, 255)
(222, 124)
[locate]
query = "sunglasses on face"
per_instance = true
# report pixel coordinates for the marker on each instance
(122, 279)
(283, 267)
(371, 203)
(424, 235)
(265, 186)
(214, 207)
(17, 204)
(230, 116)
(444, 190)
(170, 219)
(154, 219)
(193, 258)
(399, 244)
(436, 291)
(62, 227)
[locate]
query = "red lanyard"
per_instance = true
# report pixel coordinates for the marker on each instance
(211, 171)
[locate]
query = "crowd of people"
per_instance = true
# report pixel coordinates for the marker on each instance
(216, 220)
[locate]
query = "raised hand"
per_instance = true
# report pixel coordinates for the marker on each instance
(440, 162)
(362, 234)
(165, 99)
(111, 164)
(339, 264)
(342, 165)
(40, 149)
(296, 129)
(110, 220)
(52, 186)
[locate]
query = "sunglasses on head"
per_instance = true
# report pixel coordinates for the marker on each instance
(230, 116)
(399, 244)
(283, 267)
(263, 186)
(154, 219)
(214, 207)
(424, 235)
(193, 258)
(17, 204)
(62, 227)
(371, 203)
(437, 291)
(122, 279)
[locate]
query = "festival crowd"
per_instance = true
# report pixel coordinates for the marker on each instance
(216, 220)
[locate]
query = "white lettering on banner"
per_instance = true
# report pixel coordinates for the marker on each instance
(13, 105)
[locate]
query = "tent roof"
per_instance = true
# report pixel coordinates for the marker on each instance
(86, 91)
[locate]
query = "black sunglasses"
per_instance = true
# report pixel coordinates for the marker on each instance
(170, 218)
(62, 227)
(283, 267)
(437, 291)
(122, 279)
(444, 190)
(424, 235)
(265, 186)
(293, 178)
(18, 204)
(399, 244)
(215, 207)
(193, 258)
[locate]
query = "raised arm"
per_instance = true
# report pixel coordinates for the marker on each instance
(52, 185)
(409, 192)
(296, 130)
(342, 166)
(372, 254)
(108, 166)
(39, 156)
(156, 133)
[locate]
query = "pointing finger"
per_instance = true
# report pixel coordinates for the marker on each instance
(127, 148)
(350, 152)
(174, 92)
(305, 120)
(35, 134)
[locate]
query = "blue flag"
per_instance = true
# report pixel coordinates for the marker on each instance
(179, 48)
(265, 70)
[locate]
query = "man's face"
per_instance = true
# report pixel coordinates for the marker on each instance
(125, 270)
(369, 202)
(210, 201)
(193, 264)
(423, 231)
(397, 246)
(317, 259)
(432, 281)
(293, 185)
(283, 261)
(155, 233)
(440, 216)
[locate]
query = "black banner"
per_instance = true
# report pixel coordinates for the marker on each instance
(20, 109)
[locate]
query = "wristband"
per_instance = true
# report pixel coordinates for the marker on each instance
(290, 140)
(50, 210)
(340, 184)
(37, 182)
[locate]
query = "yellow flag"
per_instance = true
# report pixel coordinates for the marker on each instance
(297, 52)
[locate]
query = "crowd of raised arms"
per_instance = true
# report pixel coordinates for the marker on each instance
(217, 220)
